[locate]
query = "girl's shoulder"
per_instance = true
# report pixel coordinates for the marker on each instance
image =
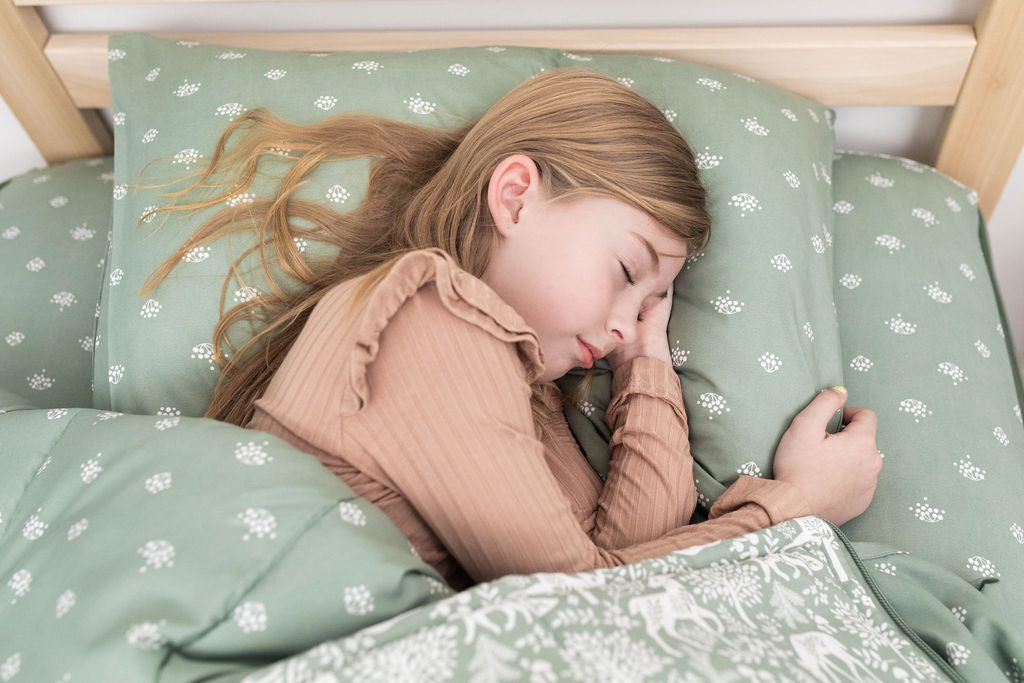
(444, 299)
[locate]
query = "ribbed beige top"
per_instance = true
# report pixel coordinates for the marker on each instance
(420, 403)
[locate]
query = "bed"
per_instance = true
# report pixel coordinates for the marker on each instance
(140, 541)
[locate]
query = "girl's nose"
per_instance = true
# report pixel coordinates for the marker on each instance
(624, 329)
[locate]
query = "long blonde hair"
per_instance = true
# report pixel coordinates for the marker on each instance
(587, 133)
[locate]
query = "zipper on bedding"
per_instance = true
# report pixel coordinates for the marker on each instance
(891, 611)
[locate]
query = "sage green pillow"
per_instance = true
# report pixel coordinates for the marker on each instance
(54, 232)
(752, 332)
(171, 101)
(926, 346)
(130, 542)
(754, 315)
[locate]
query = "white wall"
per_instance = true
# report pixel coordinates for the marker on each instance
(19, 154)
(911, 132)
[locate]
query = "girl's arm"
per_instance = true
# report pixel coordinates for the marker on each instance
(649, 489)
(448, 426)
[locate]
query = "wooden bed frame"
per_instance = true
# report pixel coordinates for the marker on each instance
(54, 82)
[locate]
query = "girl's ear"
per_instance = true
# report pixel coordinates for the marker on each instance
(514, 185)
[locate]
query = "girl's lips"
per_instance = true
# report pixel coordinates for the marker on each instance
(588, 356)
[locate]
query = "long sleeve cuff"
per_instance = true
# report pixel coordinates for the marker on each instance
(649, 376)
(780, 500)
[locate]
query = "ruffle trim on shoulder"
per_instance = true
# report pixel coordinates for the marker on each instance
(464, 295)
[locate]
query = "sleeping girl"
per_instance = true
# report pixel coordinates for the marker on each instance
(483, 264)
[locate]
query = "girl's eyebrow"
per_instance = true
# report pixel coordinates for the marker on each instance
(655, 261)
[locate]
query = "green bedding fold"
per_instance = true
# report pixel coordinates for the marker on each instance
(128, 538)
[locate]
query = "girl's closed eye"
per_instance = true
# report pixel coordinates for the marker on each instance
(629, 276)
(629, 279)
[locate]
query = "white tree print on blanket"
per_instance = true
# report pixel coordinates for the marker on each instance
(781, 604)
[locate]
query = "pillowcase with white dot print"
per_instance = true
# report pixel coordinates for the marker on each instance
(927, 347)
(171, 102)
(54, 230)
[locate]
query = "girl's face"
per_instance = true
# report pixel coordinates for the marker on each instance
(560, 265)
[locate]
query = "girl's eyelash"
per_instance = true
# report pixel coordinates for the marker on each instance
(629, 279)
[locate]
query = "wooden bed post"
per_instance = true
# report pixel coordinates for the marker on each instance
(986, 130)
(36, 95)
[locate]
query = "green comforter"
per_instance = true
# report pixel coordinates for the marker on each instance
(169, 548)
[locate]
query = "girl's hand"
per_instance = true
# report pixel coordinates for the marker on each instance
(651, 335)
(837, 473)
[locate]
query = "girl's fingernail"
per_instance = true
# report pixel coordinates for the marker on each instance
(840, 389)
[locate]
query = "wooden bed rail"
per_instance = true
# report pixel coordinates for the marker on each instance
(38, 97)
(54, 83)
(865, 65)
(986, 130)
